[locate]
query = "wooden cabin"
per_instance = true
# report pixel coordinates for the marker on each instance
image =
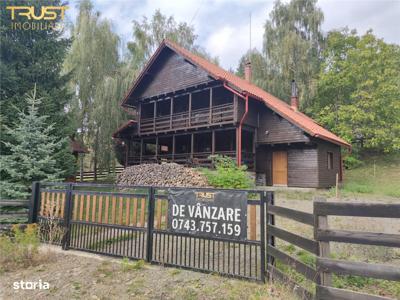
(188, 109)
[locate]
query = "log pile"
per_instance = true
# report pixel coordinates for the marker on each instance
(164, 174)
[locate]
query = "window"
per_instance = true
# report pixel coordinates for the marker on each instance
(330, 160)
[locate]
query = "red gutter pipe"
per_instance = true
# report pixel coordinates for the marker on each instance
(239, 135)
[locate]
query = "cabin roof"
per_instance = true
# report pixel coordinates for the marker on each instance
(77, 147)
(123, 128)
(242, 86)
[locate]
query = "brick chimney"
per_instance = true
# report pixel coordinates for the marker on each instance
(294, 100)
(247, 71)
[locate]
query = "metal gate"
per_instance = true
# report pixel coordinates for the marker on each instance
(133, 222)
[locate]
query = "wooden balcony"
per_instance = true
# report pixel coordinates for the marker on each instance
(198, 118)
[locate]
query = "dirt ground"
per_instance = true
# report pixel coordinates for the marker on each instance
(79, 275)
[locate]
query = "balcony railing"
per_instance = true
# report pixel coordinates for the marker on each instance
(200, 159)
(198, 118)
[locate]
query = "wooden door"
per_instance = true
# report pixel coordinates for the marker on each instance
(279, 168)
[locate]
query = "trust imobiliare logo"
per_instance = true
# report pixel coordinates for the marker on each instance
(29, 18)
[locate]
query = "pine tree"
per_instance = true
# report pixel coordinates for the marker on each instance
(33, 147)
(29, 57)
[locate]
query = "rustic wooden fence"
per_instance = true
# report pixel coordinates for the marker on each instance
(324, 235)
(13, 212)
(91, 176)
(132, 222)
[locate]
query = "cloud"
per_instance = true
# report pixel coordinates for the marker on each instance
(381, 16)
(222, 26)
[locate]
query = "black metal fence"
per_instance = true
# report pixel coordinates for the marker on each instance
(132, 221)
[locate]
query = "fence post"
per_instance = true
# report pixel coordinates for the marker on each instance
(150, 224)
(33, 207)
(262, 233)
(67, 217)
(321, 222)
(270, 221)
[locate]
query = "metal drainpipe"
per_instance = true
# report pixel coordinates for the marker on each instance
(246, 99)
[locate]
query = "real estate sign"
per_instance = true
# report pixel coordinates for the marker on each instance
(208, 213)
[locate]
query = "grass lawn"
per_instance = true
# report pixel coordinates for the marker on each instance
(385, 180)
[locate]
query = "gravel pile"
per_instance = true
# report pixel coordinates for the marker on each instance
(164, 174)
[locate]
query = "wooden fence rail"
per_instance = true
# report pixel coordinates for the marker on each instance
(89, 176)
(327, 266)
(12, 212)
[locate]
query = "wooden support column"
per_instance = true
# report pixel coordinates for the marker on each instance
(173, 147)
(191, 145)
(190, 109)
(238, 148)
(155, 114)
(171, 112)
(255, 149)
(157, 147)
(141, 150)
(321, 223)
(213, 142)
(138, 117)
(235, 108)
(211, 103)
(81, 167)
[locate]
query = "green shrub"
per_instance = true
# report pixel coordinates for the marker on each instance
(227, 174)
(20, 249)
(352, 162)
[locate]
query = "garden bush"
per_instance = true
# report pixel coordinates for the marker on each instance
(227, 174)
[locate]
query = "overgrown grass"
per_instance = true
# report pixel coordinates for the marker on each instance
(20, 249)
(379, 175)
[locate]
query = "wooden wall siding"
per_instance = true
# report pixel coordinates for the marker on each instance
(121, 210)
(252, 115)
(264, 162)
(327, 178)
(303, 167)
(52, 204)
(170, 73)
(279, 129)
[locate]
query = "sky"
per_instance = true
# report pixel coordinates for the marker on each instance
(223, 26)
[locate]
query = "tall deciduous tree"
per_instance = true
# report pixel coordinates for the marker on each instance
(33, 151)
(29, 57)
(258, 66)
(293, 42)
(149, 34)
(358, 90)
(95, 67)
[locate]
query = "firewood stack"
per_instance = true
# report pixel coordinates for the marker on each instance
(164, 174)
